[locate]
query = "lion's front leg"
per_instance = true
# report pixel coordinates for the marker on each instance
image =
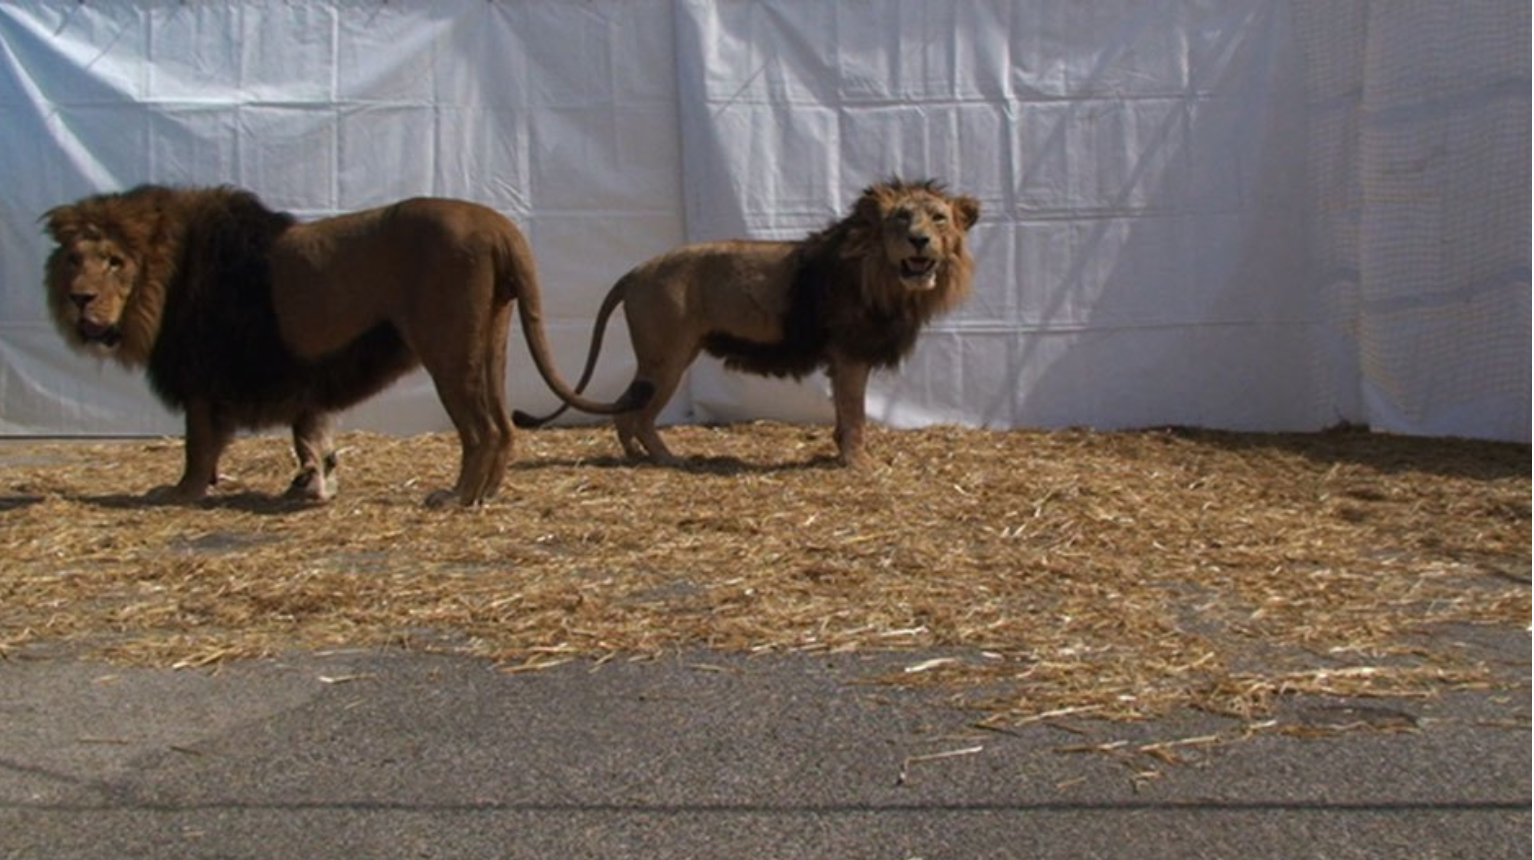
(314, 445)
(207, 435)
(849, 385)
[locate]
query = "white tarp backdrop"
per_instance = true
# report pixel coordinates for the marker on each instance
(1230, 213)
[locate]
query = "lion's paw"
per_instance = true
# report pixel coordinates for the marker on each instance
(312, 485)
(855, 463)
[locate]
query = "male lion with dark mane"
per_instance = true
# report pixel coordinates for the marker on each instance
(246, 318)
(850, 298)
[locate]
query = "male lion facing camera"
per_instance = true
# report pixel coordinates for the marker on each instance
(850, 298)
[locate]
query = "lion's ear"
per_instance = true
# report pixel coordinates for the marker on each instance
(967, 209)
(863, 226)
(61, 222)
(868, 209)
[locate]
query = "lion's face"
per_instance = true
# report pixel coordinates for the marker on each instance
(90, 278)
(920, 230)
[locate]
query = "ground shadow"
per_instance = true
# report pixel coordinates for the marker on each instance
(1383, 452)
(708, 465)
(245, 501)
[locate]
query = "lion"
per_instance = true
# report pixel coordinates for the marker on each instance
(850, 298)
(245, 318)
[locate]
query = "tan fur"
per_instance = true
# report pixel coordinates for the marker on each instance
(332, 311)
(881, 273)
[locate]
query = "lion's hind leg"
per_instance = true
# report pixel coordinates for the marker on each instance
(640, 439)
(636, 430)
(495, 389)
(662, 358)
(627, 437)
(470, 380)
(314, 445)
(485, 446)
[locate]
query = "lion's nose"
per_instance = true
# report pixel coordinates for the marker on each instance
(82, 300)
(918, 241)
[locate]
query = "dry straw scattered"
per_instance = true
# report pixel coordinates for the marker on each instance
(1037, 575)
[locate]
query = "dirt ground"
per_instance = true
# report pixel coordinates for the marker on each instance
(1113, 575)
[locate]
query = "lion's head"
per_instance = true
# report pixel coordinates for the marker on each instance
(912, 239)
(104, 279)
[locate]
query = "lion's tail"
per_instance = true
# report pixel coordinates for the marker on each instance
(638, 389)
(530, 306)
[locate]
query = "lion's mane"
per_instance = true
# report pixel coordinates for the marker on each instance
(845, 297)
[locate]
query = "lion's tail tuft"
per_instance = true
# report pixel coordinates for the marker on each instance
(639, 394)
(528, 421)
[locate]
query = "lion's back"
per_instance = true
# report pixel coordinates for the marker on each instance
(442, 228)
(730, 286)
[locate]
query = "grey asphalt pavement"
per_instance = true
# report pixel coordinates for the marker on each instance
(398, 755)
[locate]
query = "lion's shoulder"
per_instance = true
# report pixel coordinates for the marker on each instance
(217, 334)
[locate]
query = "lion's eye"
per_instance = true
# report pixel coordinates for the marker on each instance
(902, 215)
(114, 262)
(74, 258)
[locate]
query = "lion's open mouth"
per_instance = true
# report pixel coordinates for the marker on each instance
(918, 269)
(105, 334)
